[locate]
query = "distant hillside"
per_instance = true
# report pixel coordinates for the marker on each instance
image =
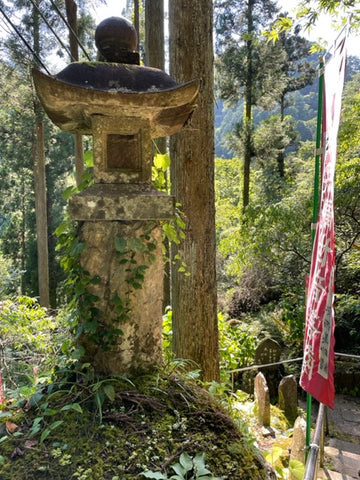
(303, 108)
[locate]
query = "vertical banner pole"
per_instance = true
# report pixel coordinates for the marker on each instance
(317, 173)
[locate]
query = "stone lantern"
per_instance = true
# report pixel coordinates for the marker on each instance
(124, 106)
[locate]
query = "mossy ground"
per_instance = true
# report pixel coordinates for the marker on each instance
(141, 426)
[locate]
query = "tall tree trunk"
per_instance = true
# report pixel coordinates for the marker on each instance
(137, 20)
(71, 15)
(281, 155)
(40, 187)
(41, 216)
(155, 57)
(195, 333)
(248, 106)
(154, 34)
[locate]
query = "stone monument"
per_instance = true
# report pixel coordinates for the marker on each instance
(288, 397)
(123, 106)
(262, 398)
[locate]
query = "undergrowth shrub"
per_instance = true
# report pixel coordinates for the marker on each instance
(30, 340)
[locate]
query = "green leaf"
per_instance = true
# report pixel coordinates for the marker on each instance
(77, 249)
(78, 353)
(45, 434)
(5, 414)
(136, 245)
(297, 469)
(88, 158)
(199, 464)
(170, 233)
(156, 475)
(162, 161)
(68, 192)
(72, 406)
(120, 244)
(109, 391)
(56, 424)
(179, 470)
(186, 461)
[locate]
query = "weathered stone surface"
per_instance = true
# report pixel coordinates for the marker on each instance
(268, 351)
(139, 347)
(288, 397)
(123, 150)
(116, 77)
(71, 107)
(298, 445)
(125, 202)
(262, 399)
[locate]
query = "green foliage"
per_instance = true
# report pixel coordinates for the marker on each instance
(347, 319)
(276, 459)
(159, 171)
(84, 317)
(167, 335)
(30, 342)
(237, 344)
(127, 250)
(292, 305)
(18, 226)
(187, 468)
(265, 251)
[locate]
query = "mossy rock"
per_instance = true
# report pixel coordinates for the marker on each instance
(114, 430)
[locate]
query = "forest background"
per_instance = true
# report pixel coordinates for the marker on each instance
(263, 214)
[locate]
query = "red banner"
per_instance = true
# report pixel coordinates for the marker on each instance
(317, 375)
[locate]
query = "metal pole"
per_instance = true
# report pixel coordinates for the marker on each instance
(316, 207)
(311, 464)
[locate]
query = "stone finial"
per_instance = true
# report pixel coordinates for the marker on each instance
(116, 41)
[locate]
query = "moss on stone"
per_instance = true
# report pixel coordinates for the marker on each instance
(140, 427)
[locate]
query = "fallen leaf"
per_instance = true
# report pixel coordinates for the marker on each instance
(31, 443)
(17, 453)
(11, 427)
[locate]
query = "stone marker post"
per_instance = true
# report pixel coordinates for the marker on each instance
(124, 106)
(288, 398)
(298, 446)
(262, 399)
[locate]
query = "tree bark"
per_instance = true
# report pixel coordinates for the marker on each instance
(40, 187)
(248, 121)
(41, 217)
(71, 15)
(154, 34)
(195, 332)
(155, 57)
(137, 21)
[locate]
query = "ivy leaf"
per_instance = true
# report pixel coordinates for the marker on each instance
(89, 158)
(162, 161)
(136, 245)
(120, 244)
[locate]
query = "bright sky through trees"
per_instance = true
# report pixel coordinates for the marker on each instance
(323, 32)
